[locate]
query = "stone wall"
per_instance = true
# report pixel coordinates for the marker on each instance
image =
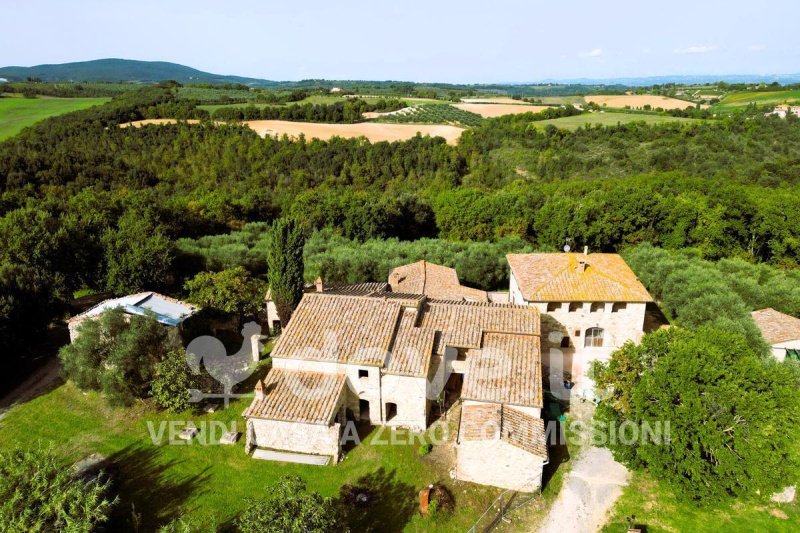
(297, 437)
(499, 464)
(409, 394)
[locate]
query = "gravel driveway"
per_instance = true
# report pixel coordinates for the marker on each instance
(590, 490)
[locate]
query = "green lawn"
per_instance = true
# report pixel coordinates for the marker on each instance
(659, 510)
(608, 119)
(17, 113)
(745, 98)
(212, 482)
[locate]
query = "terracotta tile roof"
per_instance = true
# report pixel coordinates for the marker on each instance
(777, 327)
(573, 277)
(493, 421)
(463, 323)
(295, 396)
(524, 431)
(435, 281)
(344, 329)
(358, 289)
(413, 348)
(480, 422)
(506, 369)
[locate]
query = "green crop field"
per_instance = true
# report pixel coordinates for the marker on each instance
(609, 119)
(17, 113)
(742, 99)
(314, 99)
(433, 114)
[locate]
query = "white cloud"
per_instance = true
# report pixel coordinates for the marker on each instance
(756, 47)
(695, 50)
(597, 52)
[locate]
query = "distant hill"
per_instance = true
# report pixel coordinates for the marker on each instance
(118, 70)
(646, 81)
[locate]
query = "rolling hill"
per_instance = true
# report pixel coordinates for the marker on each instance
(119, 70)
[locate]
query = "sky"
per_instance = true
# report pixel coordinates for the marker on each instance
(434, 40)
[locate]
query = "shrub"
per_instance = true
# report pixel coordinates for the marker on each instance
(39, 494)
(290, 508)
(425, 449)
(117, 354)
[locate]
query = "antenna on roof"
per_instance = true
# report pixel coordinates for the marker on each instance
(566, 246)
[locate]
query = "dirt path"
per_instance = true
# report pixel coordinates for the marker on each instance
(590, 490)
(43, 380)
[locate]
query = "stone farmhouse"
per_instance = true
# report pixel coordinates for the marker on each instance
(591, 304)
(387, 352)
(355, 353)
(781, 331)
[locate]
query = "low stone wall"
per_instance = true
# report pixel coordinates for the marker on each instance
(294, 437)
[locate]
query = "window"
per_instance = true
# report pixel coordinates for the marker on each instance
(574, 307)
(565, 342)
(276, 327)
(619, 306)
(363, 373)
(391, 410)
(553, 306)
(593, 338)
(363, 409)
(597, 307)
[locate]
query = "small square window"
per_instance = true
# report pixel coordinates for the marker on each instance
(363, 373)
(553, 306)
(574, 307)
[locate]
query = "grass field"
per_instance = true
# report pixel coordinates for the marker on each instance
(660, 511)
(314, 99)
(211, 482)
(608, 119)
(18, 113)
(742, 99)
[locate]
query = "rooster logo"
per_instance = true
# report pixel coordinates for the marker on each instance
(226, 369)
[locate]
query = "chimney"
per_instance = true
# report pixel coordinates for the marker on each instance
(255, 347)
(320, 286)
(259, 390)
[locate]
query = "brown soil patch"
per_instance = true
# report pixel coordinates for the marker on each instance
(373, 131)
(498, 100)
(638, 101)
(498, 110)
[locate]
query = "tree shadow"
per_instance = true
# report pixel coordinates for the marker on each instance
(378, 502)
(149, 493)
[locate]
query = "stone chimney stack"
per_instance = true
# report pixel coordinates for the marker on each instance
(259, 390)
(583, 260)
(320, 286)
